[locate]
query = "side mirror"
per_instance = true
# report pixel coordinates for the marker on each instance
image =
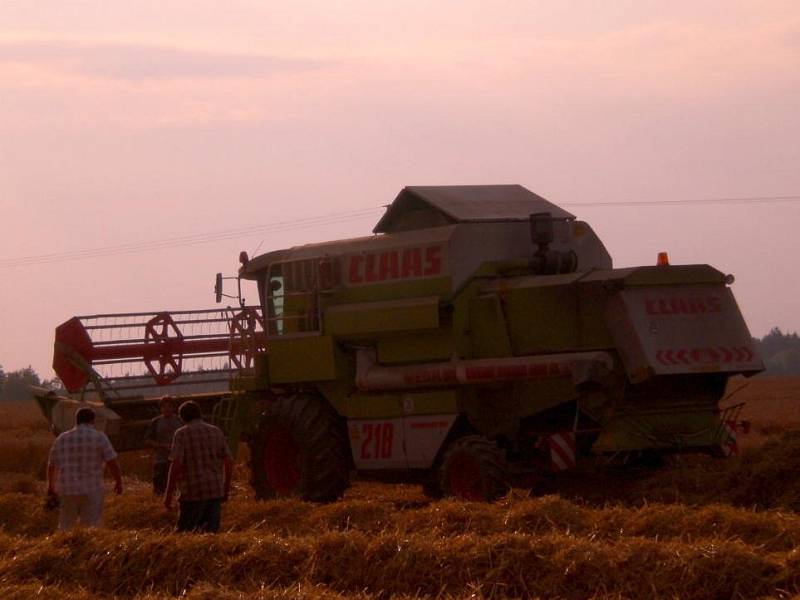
(218, 288)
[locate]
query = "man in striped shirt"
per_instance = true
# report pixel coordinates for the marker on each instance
(75, 472)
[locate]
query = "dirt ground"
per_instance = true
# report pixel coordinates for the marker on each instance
(696, 528)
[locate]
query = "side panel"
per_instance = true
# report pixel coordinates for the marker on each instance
(428, 418)
(488, 328)
(543, 319)
(373, 406)
(382, 317)
(668, 330)
(377, 443)
(424, 436)
(400, 430)
(671, 427)
(553, 313)
(424, 346)
(302, 359)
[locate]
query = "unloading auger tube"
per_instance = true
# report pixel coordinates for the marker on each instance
(370, 377)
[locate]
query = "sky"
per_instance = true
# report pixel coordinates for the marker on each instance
(136, 122)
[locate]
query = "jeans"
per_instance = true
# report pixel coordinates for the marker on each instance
(160, 474)
(201, 516)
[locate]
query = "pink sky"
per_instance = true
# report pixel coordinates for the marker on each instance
(124, 124)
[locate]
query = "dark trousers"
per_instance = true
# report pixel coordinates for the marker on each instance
(200, 515)
(160, 474)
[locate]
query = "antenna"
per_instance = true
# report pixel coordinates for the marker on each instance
(253, 253)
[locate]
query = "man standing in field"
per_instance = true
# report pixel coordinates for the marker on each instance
(75, 468)
(159, 437)
(202, 466)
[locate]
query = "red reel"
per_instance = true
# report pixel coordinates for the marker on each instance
(165, 358)
(247, 337)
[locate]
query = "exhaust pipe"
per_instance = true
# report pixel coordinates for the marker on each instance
(546, 261)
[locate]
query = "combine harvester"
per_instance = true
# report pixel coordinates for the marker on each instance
(481, 334)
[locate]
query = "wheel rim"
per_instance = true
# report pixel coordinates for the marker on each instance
(465, 478)
(280, 460)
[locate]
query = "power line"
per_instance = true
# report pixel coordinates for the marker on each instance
(189, 240)
(700, 201)
(329, 219)
(209, 236)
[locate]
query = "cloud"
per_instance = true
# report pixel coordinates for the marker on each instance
(139, 62)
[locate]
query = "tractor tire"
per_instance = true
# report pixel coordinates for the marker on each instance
(475, 469)
(299, 450)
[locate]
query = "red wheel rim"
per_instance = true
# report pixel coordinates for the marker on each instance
(280, 460)
(465, 478)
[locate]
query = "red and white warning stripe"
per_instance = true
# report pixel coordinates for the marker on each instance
(562, 451)
(729, 445)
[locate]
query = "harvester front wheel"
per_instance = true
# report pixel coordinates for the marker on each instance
(300, 450)
(474, 468)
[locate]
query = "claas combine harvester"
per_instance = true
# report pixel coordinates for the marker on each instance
(479, 335)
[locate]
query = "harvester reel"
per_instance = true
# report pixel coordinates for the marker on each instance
(165, 363)
(246, 337)
(300, 450)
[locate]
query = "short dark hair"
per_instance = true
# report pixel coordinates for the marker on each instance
(84, 415)
(166, 400)
(189, 411)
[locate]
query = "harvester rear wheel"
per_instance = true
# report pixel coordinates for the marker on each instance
(474, 468)
(300, 450)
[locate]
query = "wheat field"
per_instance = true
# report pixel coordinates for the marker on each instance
(697, 528)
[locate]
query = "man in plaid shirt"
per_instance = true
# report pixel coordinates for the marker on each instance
(75, 472)
(202, 467)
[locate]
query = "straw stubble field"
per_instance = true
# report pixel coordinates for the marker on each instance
(699, 528)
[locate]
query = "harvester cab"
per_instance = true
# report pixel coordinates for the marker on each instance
(480, 333)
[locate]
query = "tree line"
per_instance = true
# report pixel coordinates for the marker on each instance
(780, 351)
(15, 385)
